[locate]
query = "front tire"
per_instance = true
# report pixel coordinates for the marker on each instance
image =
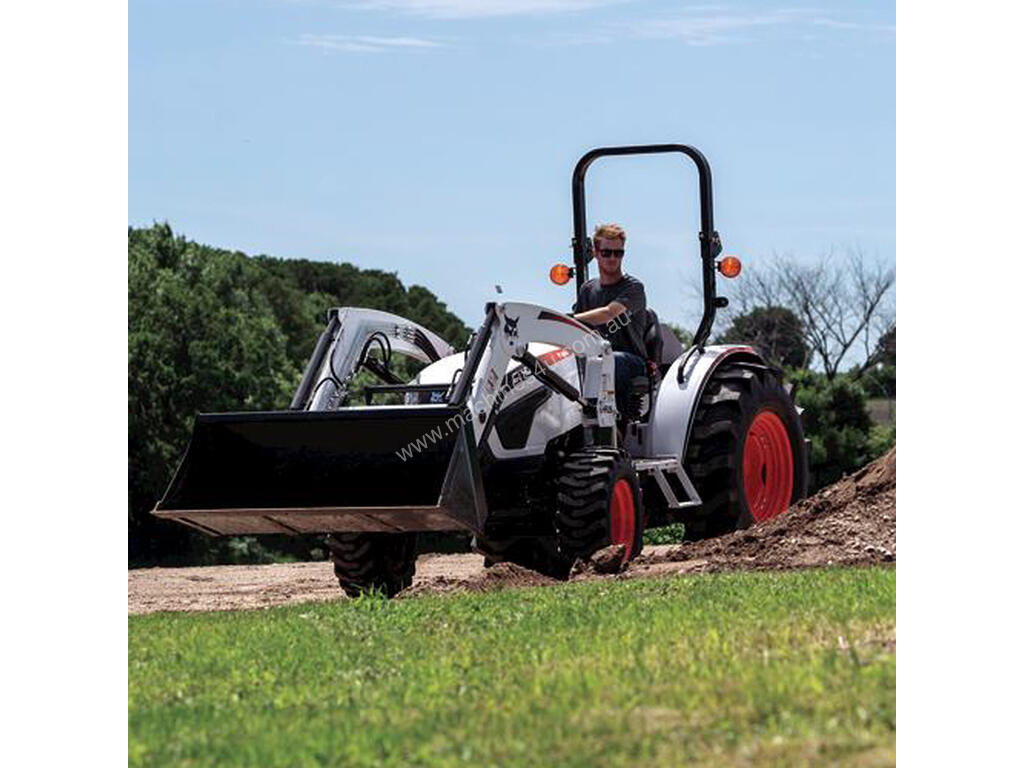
(747, 456)
(599, 503)
(373, 562)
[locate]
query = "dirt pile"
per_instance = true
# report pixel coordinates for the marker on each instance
(498, 576)
(850, 523)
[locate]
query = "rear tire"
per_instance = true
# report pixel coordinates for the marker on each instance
(599, 503)
(747, 456)
(373, 562)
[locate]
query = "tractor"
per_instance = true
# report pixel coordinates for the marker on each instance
(515, 439)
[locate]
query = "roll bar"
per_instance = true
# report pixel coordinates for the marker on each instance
(710, 243)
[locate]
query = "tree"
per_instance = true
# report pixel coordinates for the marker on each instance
(776, 331)
(684, 336)
(838, 302)
(884, 351)
(836, 422)
(877, 375)
(878, 380)
(201, 337)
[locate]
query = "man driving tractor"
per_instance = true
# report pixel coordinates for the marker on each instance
(615, 303)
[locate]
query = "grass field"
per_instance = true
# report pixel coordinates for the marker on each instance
(766, 669)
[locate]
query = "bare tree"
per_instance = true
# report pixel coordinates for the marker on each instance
(839, 301)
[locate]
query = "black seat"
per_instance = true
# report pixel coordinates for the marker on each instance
(653, 343)
(642, 388)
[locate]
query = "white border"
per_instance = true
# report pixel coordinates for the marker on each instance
(64, 387)
(960, 206)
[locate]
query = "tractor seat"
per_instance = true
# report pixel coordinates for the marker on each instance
(642, 388)
(654, 345)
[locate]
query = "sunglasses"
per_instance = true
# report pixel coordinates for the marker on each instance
(611, 253)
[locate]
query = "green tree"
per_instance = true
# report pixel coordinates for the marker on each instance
(878, 380)
(836, 423)
(885, 349)
(685, 337)
(776, 331)
(201, 337)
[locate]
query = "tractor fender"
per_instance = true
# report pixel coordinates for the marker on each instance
(678, 396)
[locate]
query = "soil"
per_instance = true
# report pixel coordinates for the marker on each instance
(850, 523)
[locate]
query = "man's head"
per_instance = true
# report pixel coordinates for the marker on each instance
(609, 248)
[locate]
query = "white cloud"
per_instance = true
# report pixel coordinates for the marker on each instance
(836, 24)
(704, 30)
(712, 25)
(365, 43)
(463, 9)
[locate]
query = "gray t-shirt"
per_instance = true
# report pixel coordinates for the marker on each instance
(628, 333)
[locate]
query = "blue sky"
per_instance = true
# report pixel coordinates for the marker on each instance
(436, 138)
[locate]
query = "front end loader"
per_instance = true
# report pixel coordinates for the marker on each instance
(516, 438)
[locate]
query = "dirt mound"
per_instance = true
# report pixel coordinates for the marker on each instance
(498, 576)
(850, 523)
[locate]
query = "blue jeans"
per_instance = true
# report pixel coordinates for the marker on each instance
(627, 367)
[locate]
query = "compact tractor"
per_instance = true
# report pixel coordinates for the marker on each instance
(515, 439)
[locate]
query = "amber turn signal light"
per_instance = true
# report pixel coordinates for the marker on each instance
(730, 266)
(560, 274)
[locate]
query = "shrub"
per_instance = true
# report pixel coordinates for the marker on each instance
(668, 534)
(881, 439)
(836, 423)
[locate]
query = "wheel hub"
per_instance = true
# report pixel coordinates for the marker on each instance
(767, 466)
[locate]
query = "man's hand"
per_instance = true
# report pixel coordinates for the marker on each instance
(601, 315)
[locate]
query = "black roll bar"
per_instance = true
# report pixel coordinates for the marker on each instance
(710, 243)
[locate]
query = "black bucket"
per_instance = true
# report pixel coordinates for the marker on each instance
(385, 468)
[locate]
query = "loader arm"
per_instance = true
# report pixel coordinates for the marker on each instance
(326, 467)
(344, 345)
(507, 331)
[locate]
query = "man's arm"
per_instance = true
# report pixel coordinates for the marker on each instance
(629, 300)
(601, 315)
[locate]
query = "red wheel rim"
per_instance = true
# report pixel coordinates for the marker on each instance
(767, 467)
(623, 516)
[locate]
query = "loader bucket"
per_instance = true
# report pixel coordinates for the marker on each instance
(383, 468)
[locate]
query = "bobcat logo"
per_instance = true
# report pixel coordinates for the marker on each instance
(512, 327)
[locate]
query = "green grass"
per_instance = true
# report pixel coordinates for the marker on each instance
(667, 534)
(720, 670)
